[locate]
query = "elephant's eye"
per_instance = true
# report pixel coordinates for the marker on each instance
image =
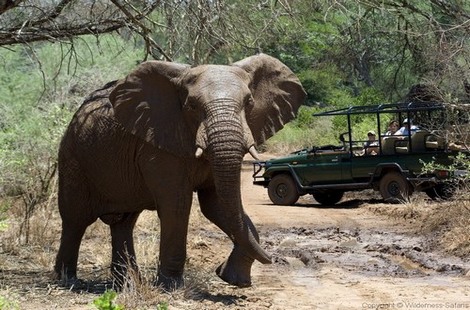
(189, 105)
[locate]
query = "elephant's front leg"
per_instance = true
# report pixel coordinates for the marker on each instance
(173, 211)
(236, 270)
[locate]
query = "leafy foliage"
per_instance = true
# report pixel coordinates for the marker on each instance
(344, 52)
(40, 93)
(7, 304)
(106, 301)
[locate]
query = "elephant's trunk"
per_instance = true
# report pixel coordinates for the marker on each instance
(226, 146)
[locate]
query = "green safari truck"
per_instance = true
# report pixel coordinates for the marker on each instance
(394, 167)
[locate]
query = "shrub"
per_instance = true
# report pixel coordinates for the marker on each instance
(41, 89)
(7, 304)
(304, 132)
(29, 162)
(106, 301)
(325, 86)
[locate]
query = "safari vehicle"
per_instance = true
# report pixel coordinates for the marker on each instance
(395, 168)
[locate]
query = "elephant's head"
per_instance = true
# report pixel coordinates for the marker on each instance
(212, 112)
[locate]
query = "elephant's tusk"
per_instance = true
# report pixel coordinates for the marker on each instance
(199, 152)
(253, 152)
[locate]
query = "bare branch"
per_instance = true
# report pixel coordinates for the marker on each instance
(31, 21)
(53, 14)
(141, 29)
(34, 34)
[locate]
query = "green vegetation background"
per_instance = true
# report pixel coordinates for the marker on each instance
(345, 55)
(42, 89)
(349, 54)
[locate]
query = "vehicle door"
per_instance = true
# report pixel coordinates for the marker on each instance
(327, 167)
(362, 167)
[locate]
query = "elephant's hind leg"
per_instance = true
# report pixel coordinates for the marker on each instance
(75, 206)
(67, 257)
(123, 257)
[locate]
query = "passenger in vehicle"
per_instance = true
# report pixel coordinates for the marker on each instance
(407, 126)
(371, 146)
(393, 127)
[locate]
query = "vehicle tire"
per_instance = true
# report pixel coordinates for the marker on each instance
(394, 188)
(328, 197)
(282, 190)
(443, 191)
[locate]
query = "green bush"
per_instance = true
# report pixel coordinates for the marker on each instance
(325, 86)
(368, 96)
(305, 118)
(303, 132)
(106, 301)
(41, 88)
(7, 304)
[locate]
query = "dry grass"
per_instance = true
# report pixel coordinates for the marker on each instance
(444, 222)
(141, 293)
(38, 255)
(450, 220)
(43, 228)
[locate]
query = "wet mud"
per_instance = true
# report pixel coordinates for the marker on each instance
(367, 252)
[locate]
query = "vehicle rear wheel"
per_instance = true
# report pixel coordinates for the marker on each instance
(394, 188)
(441, 191)
(282, 190)
(328, 197)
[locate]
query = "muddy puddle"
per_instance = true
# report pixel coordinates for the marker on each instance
(366, 252)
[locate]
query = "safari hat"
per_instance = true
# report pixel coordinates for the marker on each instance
(371, 133)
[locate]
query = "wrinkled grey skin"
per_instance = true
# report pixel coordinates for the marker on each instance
(153, 138)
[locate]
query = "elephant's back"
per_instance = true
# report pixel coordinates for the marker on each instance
(93, 121)
(95, 108)
(96, 148)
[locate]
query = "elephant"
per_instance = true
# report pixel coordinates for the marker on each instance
(152, 139)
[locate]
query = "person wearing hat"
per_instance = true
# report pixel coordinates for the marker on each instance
(406, 128)
(371, 146)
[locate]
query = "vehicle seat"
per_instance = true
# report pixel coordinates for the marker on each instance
(388, 145)
(433, 141)
(418, 140)
(401, 146)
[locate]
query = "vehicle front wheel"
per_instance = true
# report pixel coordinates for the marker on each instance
(328, 197)
(394, 188)
(282, 190)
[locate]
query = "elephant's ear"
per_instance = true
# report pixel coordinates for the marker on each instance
(147, 104)
(277, 95)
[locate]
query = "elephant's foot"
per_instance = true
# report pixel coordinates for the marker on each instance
(236, 270)
(72, 282)
(66, 277)
(169, 283)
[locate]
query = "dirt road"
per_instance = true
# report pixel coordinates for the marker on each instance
(349, 258)
(342, 257)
